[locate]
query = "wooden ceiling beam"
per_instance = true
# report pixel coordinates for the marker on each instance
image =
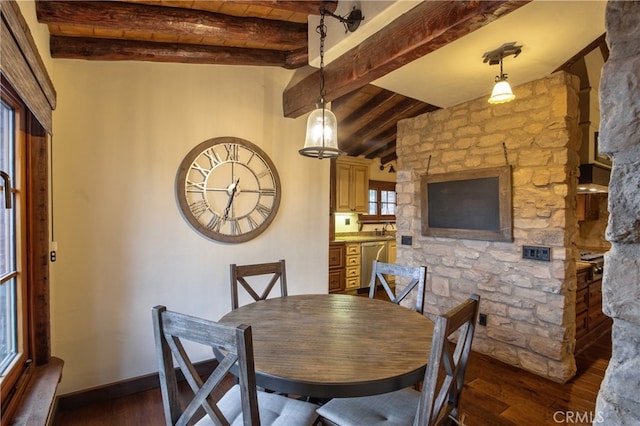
(389, 155)
(378, 102)
(357, 125)
(422, 30)
(306, 7)
(380, 143)
(386, 154)
(388, 119)
(136, 18)
(297, 58)
(128, 50)
(598, 43)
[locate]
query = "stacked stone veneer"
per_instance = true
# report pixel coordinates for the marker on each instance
(619, 400)
(530, 304)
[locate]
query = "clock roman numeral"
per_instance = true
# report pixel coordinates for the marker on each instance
(191, 186)
(253, 154)
(199, 168)
(263, 210)
(252, 223)
(235, 227)
(232, 151)
(213, 157)
(265, 172)
(269, 192)
(199, 207)
(214, 223)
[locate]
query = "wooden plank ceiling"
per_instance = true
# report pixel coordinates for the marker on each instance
(273, 33)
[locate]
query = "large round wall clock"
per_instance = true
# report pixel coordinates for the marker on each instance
(228, 189)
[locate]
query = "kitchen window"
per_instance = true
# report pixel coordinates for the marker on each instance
(382, 202)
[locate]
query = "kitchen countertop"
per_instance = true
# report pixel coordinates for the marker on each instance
(364, 238)
(580, 266)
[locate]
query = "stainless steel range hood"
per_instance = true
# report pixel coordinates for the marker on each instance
(594, 178)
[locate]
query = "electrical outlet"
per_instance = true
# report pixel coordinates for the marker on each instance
(536, 253)
(347, 221)
(482, 320)
(406, 240)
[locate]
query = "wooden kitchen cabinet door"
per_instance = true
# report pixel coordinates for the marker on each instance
(587, 207)
(352, 185)
(336, 267)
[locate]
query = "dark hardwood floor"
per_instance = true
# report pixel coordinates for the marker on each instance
(498, 394)
(495, 394)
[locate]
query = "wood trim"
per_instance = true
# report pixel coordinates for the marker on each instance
(127, 387)
(38, 407)
(130, 50)
(35, 219)
(424, 29)
(599, 42)
(23, 66)
(38, 247)
(149, 20)
(379, 186)
(306, 7)
(455, 216)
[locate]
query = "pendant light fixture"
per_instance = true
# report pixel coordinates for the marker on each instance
(322, 126)
(502, 90)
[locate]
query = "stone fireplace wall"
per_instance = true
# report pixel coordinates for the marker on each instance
(618, 400)
(530, 305)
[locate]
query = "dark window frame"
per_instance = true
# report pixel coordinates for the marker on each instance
(379, 186)
(25, 76)
(34, 269)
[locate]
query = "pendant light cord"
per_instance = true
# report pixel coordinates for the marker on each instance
(322, 30)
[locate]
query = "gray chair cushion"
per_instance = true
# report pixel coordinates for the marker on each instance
(274, 410)
(389, 409)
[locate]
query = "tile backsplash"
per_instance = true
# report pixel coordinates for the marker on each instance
(348, 222)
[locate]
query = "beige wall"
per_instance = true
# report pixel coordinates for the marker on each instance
(120, 132)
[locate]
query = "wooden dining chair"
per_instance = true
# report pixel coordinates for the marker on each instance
(242, 403)
(437, 403)
(416, 274)
(239, 274)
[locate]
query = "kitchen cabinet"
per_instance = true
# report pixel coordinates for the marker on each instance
(352, 185)
(352, 268)
(391, 250)
(336, 267)
(582, 304)
(588, 207)
(349, 272)
(591, 322)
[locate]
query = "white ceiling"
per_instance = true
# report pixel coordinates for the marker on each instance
(550, 32)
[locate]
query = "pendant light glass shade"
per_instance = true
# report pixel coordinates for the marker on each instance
(322, 135)
(501, 92)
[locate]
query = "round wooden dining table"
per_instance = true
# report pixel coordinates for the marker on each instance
(335, 345)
